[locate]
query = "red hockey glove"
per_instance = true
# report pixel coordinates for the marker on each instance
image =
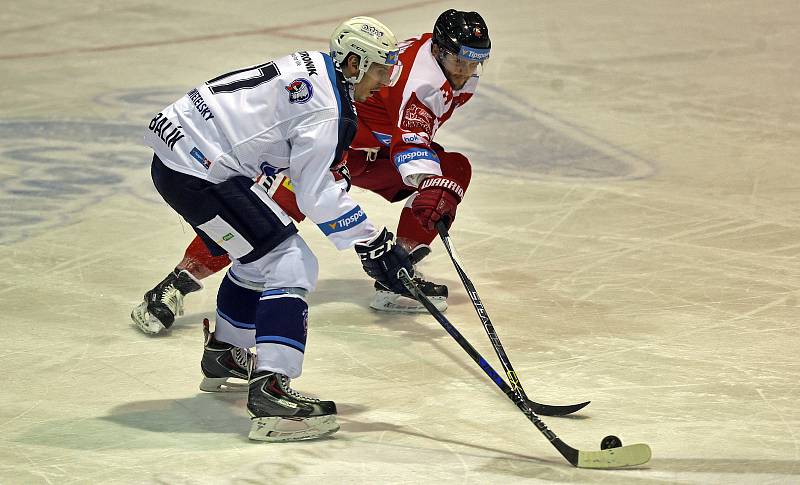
(437, 199)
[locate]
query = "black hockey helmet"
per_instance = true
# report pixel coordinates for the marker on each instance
(465, 34)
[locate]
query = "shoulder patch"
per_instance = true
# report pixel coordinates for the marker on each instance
(300, 91)
(417, 116)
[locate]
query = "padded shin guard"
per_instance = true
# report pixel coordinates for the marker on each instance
(281, 330)
(237, 305)
(409, 227)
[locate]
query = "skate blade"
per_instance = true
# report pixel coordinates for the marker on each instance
(277, 429)
(388, 302)
(221, 384)
(146, 322)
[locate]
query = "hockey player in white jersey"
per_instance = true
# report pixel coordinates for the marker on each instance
(293, 115)
(393, 154)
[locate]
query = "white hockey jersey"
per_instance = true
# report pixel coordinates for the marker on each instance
(292, 116)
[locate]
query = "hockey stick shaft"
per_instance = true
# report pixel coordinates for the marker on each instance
(543, 409)
(482, 314)
(482, 363)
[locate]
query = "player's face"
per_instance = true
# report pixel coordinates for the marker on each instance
(456, 70)
(376, 77)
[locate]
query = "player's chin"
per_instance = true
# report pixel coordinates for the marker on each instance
(365, 97)
(458, 82)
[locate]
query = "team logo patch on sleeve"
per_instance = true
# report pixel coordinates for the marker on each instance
(345, 222)
(300, 91)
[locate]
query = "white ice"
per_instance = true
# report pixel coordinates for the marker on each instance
(632, 227)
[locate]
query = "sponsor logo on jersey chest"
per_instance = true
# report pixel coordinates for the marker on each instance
(300, 91)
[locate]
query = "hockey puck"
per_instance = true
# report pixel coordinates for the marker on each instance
(610, 441)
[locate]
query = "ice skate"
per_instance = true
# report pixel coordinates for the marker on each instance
(222, 362)
(391, 302)
(279, 413)
(164, 302)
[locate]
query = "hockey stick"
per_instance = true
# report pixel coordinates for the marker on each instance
(629, 455)
(543, 409)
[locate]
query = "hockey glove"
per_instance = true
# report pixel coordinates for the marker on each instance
(437, 199)
(340, 172)
(382, 259)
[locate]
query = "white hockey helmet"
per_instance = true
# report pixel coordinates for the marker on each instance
(370, 40)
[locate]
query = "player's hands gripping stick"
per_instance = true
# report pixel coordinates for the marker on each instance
(382, 259)
(437, 200)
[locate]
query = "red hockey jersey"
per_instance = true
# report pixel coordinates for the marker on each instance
(405, 117)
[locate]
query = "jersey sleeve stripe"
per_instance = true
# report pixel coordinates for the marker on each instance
(331, 70)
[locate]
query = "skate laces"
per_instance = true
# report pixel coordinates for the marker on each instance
(241, 357)
(284, 384)
(173, 298)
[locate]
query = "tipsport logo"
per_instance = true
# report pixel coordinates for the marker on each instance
(345, 222)
(473, 54)
(414, 154)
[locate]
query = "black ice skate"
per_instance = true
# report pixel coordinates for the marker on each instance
(221, 362)
(279, 413)
(164, 302)
(391, 302)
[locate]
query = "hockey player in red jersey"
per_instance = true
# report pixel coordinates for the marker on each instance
(393, 154)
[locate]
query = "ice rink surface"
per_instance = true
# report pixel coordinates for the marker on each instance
(632, 227)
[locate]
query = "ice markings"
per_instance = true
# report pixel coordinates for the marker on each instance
(503, 133)
(54, 169)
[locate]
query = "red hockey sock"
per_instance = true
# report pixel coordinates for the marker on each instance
(200, 262)
(410, 229)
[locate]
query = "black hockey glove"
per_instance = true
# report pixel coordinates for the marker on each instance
(382, 259)
(340, 172)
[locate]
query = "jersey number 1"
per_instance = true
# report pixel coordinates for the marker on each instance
(264, 73)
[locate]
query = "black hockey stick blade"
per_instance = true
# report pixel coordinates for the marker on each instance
(554, 410)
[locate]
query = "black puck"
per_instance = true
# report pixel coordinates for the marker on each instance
(610, 441)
